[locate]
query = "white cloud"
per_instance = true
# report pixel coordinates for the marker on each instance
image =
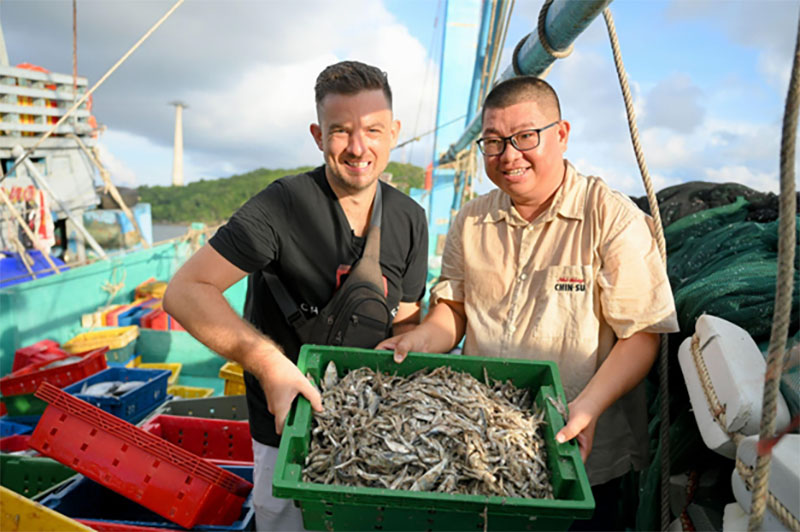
(762, 181)
(246, 69)
(120, 173)
(674, 103)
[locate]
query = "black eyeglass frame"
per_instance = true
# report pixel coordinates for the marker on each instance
(513, 141)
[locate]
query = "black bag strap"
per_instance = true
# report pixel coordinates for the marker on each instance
(286, 302)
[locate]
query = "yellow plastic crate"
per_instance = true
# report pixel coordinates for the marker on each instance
(174, 367)
(115, 338)
(19, 513)
(234, 378)
(189, 392)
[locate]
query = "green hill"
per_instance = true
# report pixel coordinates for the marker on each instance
(212, 201)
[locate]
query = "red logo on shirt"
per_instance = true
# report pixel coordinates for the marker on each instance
(570, 284)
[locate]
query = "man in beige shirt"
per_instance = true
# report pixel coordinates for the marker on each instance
(556, 266)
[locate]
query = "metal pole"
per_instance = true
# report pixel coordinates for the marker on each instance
(37, 178)
(565, 21)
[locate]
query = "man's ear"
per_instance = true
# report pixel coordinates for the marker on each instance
(563, 134)
(316, 132)
(395, 129)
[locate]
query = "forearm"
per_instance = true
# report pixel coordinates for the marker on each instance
(626, 366)
(205, 313)
(443, 327)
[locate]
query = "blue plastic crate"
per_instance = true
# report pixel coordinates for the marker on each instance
(136, 403)
(9, 428)
(82, 498)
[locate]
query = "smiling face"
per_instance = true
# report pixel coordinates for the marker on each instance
(530, 177)
(356, 132)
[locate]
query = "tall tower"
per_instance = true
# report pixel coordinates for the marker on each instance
(177, 155)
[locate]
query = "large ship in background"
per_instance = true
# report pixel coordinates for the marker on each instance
(721, 251)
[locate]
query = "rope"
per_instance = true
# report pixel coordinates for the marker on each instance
(113, 288)
(88, 93)
(21, 221)
(663, 359)
(783, 290)
(747, 472)
(691, 488)
(558, 54)
(716, 408)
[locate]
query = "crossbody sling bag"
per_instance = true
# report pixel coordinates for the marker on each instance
(357, 315)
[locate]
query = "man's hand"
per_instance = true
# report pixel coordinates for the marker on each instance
(581, 425)
(282, 381)
(414, 340)
(439, 332)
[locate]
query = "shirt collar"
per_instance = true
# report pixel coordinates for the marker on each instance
(568, 202)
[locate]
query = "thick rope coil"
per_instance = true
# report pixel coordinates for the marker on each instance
(540, 29)
(775, 506)
(558, 54)
(783, 289)
(663, 359)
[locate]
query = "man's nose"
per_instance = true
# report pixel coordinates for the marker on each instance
(510, 153)
(356, 143)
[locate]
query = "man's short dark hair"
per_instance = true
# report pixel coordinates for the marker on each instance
(351, 77)
(523, 89)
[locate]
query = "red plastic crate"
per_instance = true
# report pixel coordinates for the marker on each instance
(41, 351)
(15, 443)
(108, 526)
(157, 319)
(28, 379)
(222, 441)
(168, 480)
(111, 316)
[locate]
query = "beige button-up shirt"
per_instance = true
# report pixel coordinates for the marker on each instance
(563, 287)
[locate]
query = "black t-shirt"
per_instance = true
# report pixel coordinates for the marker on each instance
(296, 228)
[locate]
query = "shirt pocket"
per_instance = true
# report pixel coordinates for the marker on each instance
(564, 303)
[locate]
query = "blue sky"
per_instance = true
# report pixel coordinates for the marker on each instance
(709, 80)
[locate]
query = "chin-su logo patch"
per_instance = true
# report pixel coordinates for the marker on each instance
(570, 284)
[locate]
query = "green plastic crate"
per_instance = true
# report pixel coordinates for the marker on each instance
(327, 507)
(24, 405)
(30, 475)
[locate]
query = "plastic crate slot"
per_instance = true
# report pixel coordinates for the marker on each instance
(62, 418)
(181, 495)
(124, 448)
(115, 463)
(75, 462)
(188, 480)
(147, 479)
(156, 463)
(140, 494)
(45, 446)
(93, 432)
(84, 446)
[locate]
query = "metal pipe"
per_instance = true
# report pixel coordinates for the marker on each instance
(565, 21)
(40, 182)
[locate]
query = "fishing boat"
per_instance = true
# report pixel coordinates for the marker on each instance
(688, 486)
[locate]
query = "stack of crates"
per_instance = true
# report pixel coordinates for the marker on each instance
(174, 484)
(120, 341)
(233, 374)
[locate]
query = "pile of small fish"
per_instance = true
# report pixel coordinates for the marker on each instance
(109, 388)
(439, 430)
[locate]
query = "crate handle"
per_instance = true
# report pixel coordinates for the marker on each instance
(301, 409)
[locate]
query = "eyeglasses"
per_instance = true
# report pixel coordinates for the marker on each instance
(524, 140)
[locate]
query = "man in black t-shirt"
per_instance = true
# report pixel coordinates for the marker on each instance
(308, 229)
